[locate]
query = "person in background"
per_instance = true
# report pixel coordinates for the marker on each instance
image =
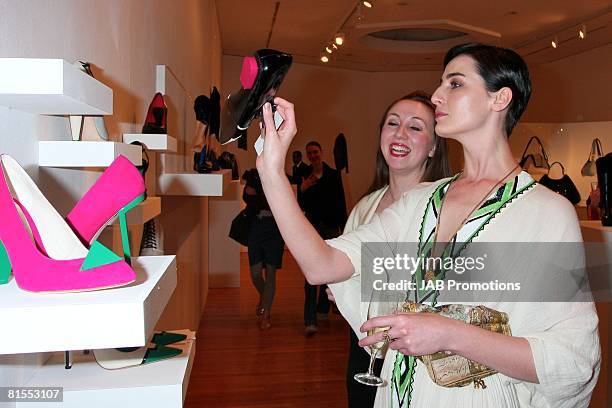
(410, 152)
(321, 197)
(265, 246)
(299, 170)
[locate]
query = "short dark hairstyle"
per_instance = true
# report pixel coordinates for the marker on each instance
(437, 167)
(499, 67)
(314, 143)
(296, 153)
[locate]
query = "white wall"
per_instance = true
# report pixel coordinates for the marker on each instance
(124, 40)
(329, 101)
(568, 143)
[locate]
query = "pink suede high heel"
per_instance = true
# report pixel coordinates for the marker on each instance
(67, 266)
(118, 190)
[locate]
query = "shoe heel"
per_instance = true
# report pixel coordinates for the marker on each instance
(5, 265)
(125, 241)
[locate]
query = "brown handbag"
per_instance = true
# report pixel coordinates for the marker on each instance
(451, 370)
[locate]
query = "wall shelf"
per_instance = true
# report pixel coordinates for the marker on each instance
(154, 142)
(193, 184)
(86, 384)
(52, 87)
(145, 211)
(120, 317)
(85, 153)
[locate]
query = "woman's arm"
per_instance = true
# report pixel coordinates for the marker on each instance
(320, 263)
(420, 334)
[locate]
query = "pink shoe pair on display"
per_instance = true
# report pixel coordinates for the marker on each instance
(49, 254)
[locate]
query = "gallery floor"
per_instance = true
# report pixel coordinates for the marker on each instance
(237, 365)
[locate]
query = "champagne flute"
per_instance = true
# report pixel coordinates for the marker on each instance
(382, 303)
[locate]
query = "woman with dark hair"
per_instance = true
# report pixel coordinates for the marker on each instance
(410, 152)
(551, 357)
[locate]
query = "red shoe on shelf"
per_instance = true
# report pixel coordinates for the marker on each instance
(156, 120)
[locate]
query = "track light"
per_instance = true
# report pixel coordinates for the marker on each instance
(582, 32)
(554, 43)
(339, 39)
(329, 50)
(334, 46)
(368, 4)
(324, 58)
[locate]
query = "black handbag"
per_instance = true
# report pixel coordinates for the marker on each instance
(564, 186)
(241, 227)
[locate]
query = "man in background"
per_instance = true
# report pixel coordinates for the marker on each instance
(321, 197)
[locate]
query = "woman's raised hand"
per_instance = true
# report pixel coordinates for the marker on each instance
(276, 142)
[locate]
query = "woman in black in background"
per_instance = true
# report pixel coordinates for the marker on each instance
(265, 246)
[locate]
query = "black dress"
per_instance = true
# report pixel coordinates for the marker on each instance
(265, 243)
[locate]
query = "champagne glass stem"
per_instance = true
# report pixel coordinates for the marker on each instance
(373, 354)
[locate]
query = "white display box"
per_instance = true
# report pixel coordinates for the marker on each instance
(119, 317)
(154, 142)
(158, 385)
(192, 184)
(52, 87)
(85, 153)
(143, 212)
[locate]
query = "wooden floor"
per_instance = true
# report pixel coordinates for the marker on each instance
(237, 365)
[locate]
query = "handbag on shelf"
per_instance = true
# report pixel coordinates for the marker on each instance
(596, 152)
(539, 160)
(240, 228)
(452, 370)
(564, 185)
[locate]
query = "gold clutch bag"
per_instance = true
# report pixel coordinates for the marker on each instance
(452, 370)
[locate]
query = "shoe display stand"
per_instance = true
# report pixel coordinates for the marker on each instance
(193, 184)
(115, 317)
(598, 254)
(161, 384)
(154, 142)
(85, 153)
(120, 317)
(224, 267)
(52, 87)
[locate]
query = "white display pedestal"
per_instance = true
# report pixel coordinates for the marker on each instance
(154, 142)
(85, 153)
(120, 317)
(158, 385)
(224, 260)
(193, 184)
(52, 87)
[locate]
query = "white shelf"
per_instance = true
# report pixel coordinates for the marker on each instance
(52, 87)
(145, 211)
(85, 153)
(162, 384)
(193, 184)
(120, 317)
(154, 142)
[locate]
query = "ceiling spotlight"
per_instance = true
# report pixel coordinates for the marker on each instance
(334, 46)
(329, 50)
(368, 4)
(339, 39)
(582, 32)
(324, 58)
(554, 43)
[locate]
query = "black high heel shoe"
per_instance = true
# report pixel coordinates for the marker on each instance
(260, 78)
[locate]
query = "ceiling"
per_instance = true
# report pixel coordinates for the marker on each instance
(304, 27)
